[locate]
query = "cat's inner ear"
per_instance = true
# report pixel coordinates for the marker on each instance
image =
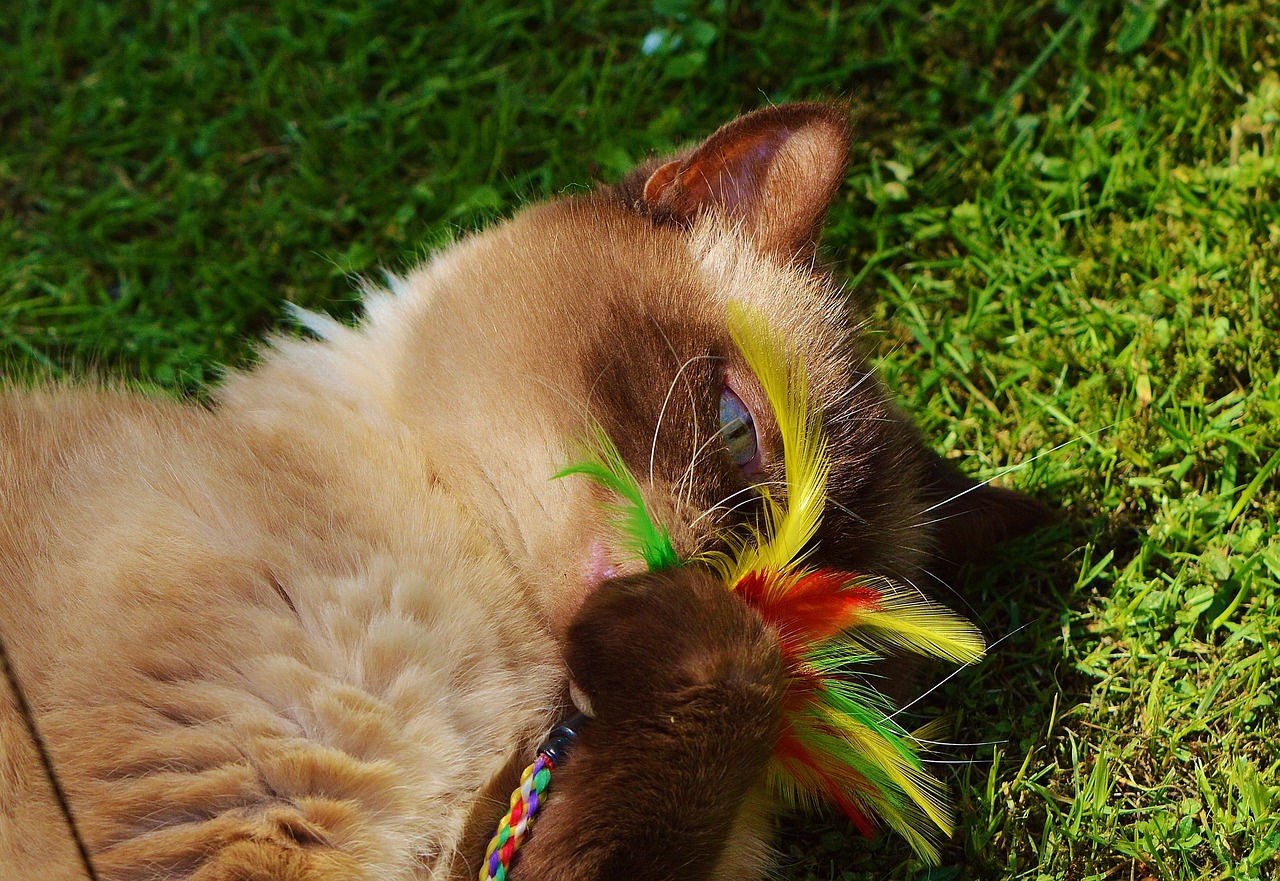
(771, 173)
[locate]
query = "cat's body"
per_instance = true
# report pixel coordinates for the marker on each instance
(224, 631)
(314, 631)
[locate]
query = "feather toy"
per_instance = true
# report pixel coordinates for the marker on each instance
(839, 741)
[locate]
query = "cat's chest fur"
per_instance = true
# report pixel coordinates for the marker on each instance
(280, 625)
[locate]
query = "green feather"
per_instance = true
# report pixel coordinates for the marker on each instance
(640, 534)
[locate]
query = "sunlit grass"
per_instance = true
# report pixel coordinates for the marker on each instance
(1063, 216)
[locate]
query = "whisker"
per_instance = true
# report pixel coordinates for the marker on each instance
(955, 593)
(657, 429)
(699, 452)
(686, 478)
(847, 391)
(684, 484)
(959, 745)
(968, 605)
(938, 579)
(1013, 468)
(847, 510)
(934, 521)
(42, 750)
(954, 673)
(881, 360)
(718, 508)
(693, 401)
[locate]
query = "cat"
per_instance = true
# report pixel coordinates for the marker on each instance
(314, 630)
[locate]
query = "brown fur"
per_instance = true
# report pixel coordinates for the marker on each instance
(311, 632)
(678, 739)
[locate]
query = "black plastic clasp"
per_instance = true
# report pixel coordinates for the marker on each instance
(556, 746)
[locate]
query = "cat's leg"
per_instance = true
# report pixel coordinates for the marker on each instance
(686, 685)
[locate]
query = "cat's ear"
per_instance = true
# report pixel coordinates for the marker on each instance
(772, 173)
(972, 515)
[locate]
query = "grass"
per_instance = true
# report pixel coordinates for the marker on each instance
(1063, 216)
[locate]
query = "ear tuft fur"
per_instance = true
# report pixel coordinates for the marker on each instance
(973, 516)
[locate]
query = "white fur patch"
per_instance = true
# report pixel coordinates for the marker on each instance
(324, 326)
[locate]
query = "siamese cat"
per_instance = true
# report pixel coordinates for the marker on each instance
(315, 630)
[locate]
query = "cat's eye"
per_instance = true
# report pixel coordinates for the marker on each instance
(738, 429)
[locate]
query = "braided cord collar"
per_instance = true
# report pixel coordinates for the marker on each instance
(527, 799)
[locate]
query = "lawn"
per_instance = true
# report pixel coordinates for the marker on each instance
(1062, 216)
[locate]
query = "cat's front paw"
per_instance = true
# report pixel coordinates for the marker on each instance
(686, 684)
(644, 644)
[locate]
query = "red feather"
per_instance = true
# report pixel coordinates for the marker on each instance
(808, 610)
(789, 751)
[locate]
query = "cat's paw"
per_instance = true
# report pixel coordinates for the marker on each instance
(686, 684)
(644, 644)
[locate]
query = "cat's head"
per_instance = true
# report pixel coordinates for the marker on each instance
(611, 308)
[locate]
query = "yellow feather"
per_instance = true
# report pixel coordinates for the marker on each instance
(920, 786)
(907, 824)
(902, 620)
(782, 375)
(798, 789)
(909, 621)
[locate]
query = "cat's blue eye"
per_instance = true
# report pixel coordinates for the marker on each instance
(738, 429)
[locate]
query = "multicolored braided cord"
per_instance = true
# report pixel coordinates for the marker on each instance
(527, 798)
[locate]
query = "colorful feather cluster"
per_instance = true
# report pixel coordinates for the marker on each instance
(839, 741)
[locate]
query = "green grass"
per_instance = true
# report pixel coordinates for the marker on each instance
(1063, 215)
